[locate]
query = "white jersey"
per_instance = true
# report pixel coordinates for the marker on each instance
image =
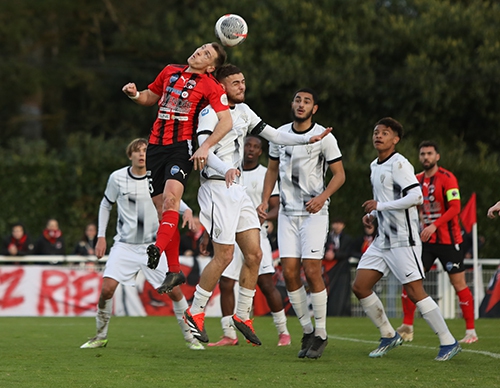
(302, 170)
(230, 148)
(253, 180)
(137, 216)
(391, 180)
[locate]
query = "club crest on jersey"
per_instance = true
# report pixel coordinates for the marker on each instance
(190, 84)
(204, 112)
(432, 188)
(184, 94)
(174, 78)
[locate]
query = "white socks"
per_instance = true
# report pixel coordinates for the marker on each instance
(374, 309)
(244, 305)
(228, 330)
(279, 320)
(102, 319)
(432, 314)
(298, 299)
(319, 300)
(179, 308)
(200, 300)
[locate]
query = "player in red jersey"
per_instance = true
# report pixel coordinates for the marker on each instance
(441, 237)
(181, 92)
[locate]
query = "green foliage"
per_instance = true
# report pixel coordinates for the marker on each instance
(433, 65)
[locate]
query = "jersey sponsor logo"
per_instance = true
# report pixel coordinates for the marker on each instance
(174, 78)
(180, 118)
(163, 116)
(223, 99)
(173, 90)
(185, 94)
(382, 178)
(176, 105)
(205, 111)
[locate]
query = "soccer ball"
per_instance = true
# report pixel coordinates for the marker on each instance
(231, 30)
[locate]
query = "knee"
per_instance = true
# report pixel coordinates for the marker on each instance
(359, 290)
(107, 292)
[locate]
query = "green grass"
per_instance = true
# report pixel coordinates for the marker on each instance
(150, 352)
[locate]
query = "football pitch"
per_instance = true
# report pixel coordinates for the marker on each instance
(150, 352)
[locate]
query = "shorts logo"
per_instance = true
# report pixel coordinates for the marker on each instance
(176, 169)
(174, 78)
(450, 266)
(217, 232)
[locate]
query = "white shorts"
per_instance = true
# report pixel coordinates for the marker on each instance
(404, 262)
(226, 211)
(125, 260)
(232, 271)
(302, 236)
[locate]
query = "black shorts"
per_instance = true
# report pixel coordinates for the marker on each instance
(450, 256)
(168, 162)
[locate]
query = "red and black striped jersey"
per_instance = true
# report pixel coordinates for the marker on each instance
(183, 96)
(441, 206)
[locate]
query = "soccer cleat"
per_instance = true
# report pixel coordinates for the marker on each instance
(94, 343)
(406, 332)
(284, 340)
(307, 340)
(317, 347)
(386, 344)
(172, 279)
(246, 329)
(447, 352)
(153, 256)
(195, 345)
(224, 341)
(469, 339)
(196, 325)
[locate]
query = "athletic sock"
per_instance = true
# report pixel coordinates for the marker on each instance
(227, 328)
(408, 309)
(374, 309)
(466, 301)
(298, 299)
(319, 301)
(172, 252)
(200, 300)
(279, 320)
(179, 308)
(432, 314)
(168, 225)
(244, 305)
(102, 319)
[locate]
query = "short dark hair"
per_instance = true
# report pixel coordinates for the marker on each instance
(393, 124)
(429, 143)
(226, 71)
(311, 91)
(221, 55)
(134, 145)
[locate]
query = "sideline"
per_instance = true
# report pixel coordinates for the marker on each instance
(406, 344)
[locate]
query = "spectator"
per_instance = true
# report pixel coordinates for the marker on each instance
(362, 243)
(51, 242)
(18, 243)
(338, 244)
(86, 246)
